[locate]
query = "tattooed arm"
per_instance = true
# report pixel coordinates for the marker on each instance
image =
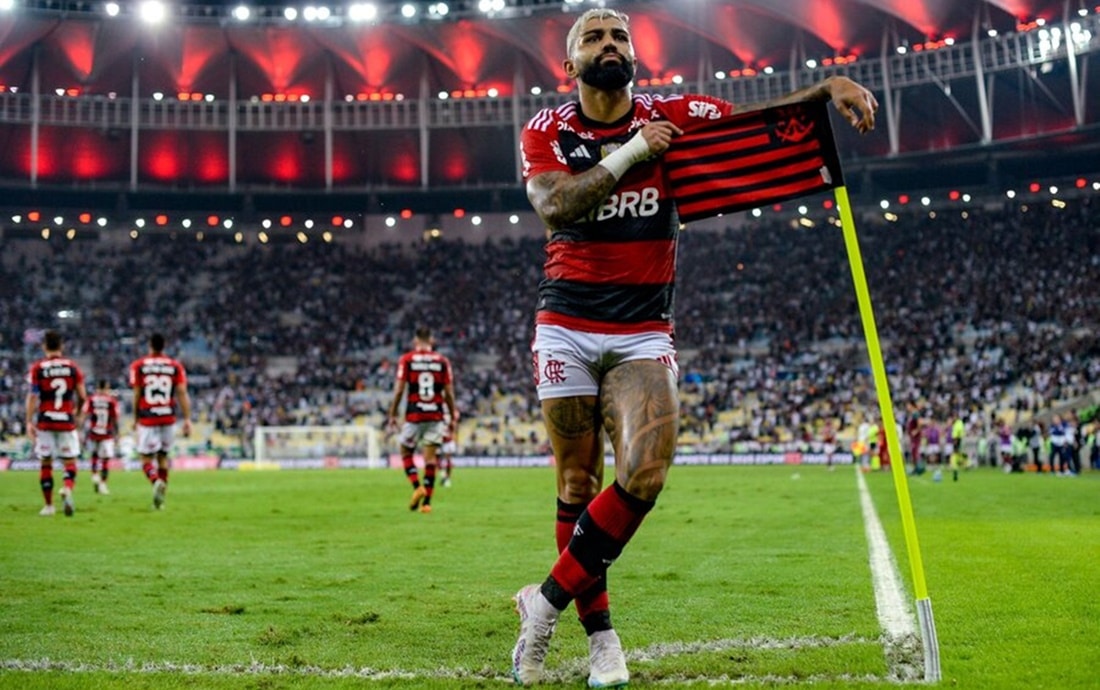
(561, 198)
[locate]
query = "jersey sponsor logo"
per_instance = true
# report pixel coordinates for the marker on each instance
(704, 110)
(635, 204)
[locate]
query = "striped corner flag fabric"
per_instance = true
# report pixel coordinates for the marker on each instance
(752, 159)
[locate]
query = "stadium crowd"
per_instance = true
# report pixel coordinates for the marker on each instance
(983, 313)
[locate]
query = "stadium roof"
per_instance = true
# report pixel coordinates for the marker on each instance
(189, 51)
(204, 51)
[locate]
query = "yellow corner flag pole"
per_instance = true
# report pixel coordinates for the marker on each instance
(897, 464)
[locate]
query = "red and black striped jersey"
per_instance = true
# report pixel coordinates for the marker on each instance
(426, 375)
(55, 380)
(614, 270)
(101, 410)
(159, 376)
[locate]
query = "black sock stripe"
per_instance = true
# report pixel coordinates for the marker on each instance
(594, 548)
(639, 505)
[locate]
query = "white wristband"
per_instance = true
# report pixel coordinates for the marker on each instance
(620, 160)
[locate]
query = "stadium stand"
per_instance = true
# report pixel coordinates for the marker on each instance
(988, 311)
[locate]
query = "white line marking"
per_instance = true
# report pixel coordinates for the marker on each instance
(566, 672)
(901, 644)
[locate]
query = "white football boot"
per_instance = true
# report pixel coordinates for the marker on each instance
(537, 620)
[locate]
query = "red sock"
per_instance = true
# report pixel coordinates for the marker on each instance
(162, 474)
(149, 470)
(410, 469)
(70, 474)
(45, 480)
(603, 530)
(592, 603)
(429, 483)
(605, 527)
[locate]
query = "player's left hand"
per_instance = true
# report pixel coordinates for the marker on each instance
(855, 102)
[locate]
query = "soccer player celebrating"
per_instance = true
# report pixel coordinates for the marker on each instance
(603, 347)
(101, 411)
(425, 375)
(159, 382)
(55, 401)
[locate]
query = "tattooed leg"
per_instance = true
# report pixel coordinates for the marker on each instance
(573, 426)
(641, 413)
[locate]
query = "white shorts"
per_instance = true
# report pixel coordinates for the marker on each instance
(103, 449)
(57, 444)
(570, 363)
(155, 439)
(449, 448)
(426, 433)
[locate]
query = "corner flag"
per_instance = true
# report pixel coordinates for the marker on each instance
(765, 157)
(752, 159)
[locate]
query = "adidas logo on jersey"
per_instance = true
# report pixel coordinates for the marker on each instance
(580, 152)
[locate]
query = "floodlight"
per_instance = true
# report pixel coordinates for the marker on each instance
(241, 13)
(408, 10)
(363, 12)
(111, 8)
(153, 11)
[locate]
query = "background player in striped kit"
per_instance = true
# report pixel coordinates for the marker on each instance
(425, 376)
(55, 404)
(159, 383)
(101, 412)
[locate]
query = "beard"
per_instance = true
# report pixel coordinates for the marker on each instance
(608, 76)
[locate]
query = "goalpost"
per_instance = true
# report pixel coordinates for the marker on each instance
(356, 445)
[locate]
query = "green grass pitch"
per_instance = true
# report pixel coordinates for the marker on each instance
(747, 576)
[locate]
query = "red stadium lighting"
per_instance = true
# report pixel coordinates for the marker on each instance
(460, 213)
(903, 199)
(211, 220)
(34, 216)
(1034, 187)
(337, 221)
(828, 203)
(284, 221)
(85, 217)
(406, 213)
(1081, 182)
(161, 219)
(953, 195)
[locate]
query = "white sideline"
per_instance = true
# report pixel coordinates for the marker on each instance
(901, 643)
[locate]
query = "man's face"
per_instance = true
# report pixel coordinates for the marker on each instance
(603, 56)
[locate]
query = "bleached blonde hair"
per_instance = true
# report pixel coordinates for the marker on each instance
(597, 13)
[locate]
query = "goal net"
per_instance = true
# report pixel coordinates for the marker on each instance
(304, 447)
